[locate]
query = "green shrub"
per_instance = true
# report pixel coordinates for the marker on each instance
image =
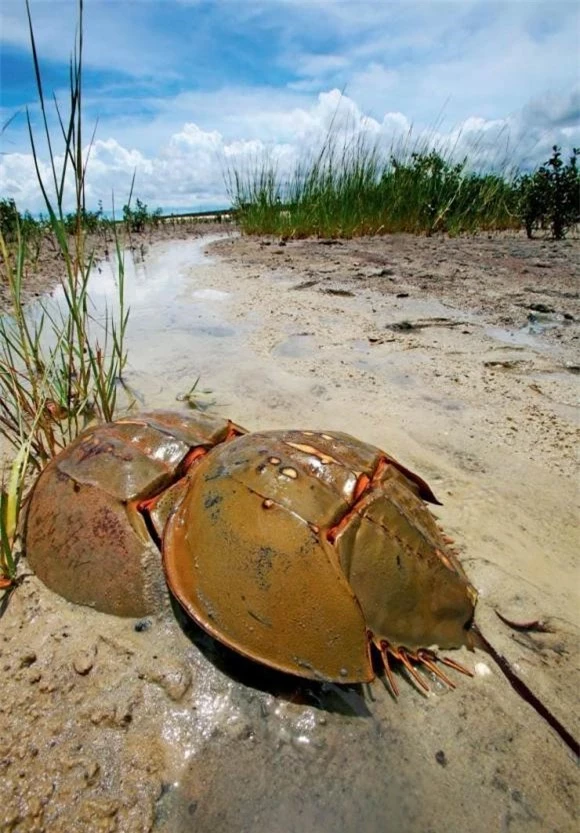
(136, 219)
(354, 190)
(9, 218)
(551, 195)
(90, 221)
(20, 229)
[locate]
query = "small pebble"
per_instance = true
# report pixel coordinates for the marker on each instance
(84, 661)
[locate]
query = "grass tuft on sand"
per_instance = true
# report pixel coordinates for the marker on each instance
(353, 188)
(59, 366)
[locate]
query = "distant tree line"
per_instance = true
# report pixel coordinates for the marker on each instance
(135, 219)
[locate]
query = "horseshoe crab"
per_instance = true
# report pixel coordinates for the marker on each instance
(86, 535)
(301, 549)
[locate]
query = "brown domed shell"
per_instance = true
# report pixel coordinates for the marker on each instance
(84, 534)
(264, 552)
(243, 560)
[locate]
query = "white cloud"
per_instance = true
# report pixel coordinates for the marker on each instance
(187, 169)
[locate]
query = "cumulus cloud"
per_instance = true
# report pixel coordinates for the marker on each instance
(188, 169)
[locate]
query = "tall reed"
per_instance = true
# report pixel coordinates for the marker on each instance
(59, 365)
(354, 187)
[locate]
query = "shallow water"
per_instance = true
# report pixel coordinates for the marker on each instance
(525, 337)
(183, 327)
(179, 328)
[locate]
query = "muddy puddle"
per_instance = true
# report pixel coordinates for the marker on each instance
(118, 725)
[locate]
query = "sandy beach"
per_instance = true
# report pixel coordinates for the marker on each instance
(461, 358)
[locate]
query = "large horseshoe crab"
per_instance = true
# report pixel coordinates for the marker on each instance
(305, 551)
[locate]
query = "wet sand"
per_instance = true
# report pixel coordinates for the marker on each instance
(44, 269)
(432, 349)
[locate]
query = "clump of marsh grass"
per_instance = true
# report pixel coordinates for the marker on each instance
(355, 188)
(59, 365)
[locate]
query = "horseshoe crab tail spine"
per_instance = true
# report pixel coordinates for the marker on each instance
(522, 689)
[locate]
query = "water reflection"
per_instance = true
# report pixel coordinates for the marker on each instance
(178, 328)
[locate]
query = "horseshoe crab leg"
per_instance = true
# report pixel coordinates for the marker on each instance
(456, 665)
(405, 659)
(429, 660)
(403, 656)
(425, 657)
(383, 647)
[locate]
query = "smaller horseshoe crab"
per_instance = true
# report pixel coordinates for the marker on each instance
(85, 535)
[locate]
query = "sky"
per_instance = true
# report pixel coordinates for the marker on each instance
(183, 91)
